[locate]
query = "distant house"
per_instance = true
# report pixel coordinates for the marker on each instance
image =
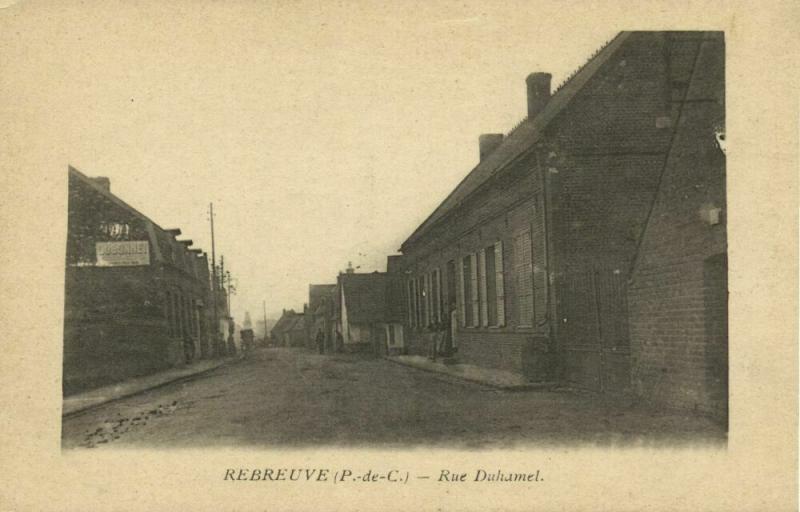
(289, 330)
(321, 315)
(136, 298)
(588, 245)
(371, 311)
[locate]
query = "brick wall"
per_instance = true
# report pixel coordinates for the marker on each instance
(603, 159)
(117, 320)
(678, 295)
(114, 327)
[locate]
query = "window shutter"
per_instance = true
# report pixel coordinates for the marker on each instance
(483, 306)
(474, 289)
(411, 302)
(439, 294)
(499, 285)
(462, 303)
(426, 299)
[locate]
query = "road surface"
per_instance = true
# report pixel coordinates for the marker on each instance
(292, 398)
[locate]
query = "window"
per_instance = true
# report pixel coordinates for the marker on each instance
(451, 286)
(420, 302)
(411, 302)
(426, 299)
(475, 295)
(490, 285)
(466, 291)
(436, 294)
(499, 285)
(482, 309)
(523, 269)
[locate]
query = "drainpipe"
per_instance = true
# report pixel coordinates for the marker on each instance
(550, 305)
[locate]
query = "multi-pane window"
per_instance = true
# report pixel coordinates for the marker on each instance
(482, 290)
(523, 269)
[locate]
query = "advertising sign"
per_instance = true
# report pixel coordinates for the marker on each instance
(122, 254)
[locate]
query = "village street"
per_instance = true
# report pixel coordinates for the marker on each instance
(292, 398)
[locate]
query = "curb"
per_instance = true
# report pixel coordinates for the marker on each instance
(533, 386)
(181, 378)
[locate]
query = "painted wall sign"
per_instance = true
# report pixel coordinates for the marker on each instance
(122, 254)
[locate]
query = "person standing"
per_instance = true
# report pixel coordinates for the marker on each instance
(320, 341)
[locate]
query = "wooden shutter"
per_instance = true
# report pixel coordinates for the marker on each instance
(482, 305)
(473, 279)
(439, 306)
(499, 285)
(411, 302)
(462, 302)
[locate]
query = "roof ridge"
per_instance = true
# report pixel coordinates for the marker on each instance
(558, 100)
(585, 63)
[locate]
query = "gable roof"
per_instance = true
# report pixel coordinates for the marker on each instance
(364, 296)
(520, 139)
(289, 321)
(320, 297)
(161, 239)
(373, 298)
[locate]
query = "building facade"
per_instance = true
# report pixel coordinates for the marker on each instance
(557, 254)
(136, 299)
(371, 312)
(290, 330)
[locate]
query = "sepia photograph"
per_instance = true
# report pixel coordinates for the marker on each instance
(360, 255)
(571, 287)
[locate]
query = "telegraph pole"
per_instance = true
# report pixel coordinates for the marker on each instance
(215, 321)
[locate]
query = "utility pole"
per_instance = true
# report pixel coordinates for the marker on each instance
(231, 290)
(215, 321)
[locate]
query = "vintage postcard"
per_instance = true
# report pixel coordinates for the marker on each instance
(399, 256)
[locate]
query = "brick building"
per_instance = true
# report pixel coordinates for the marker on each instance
(136, 299)
(588, 244)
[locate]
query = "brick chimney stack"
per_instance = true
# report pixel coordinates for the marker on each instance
(538, 92)
(488, 142)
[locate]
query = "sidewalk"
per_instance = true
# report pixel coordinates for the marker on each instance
(500, 379)
(92, 398)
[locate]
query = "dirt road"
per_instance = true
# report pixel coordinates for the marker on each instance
(289, 398)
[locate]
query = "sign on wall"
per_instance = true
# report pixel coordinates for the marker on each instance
(122, 254)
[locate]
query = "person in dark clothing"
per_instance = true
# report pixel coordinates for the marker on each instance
(339, 342)
(320, 341)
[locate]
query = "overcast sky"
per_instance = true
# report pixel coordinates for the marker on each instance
(323, 132)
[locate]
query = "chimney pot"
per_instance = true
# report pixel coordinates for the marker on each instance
(104, 182)
(488, 142)
(538, 92)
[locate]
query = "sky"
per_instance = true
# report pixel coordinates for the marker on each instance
(323, 132)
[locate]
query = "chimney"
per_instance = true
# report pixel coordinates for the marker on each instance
(538, 92)
(488, 142)
(104, 183)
